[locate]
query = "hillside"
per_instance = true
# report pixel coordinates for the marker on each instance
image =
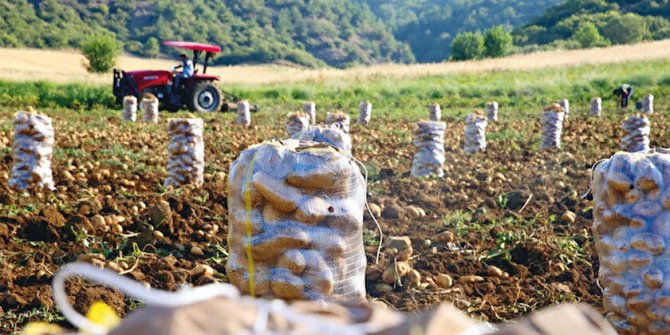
(312, 33)
(429, 26)
(607, 22)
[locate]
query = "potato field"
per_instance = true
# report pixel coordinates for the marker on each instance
(503, 233)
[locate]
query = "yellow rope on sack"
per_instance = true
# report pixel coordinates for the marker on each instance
(247, 223)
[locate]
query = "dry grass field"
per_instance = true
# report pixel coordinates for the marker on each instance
(65, 66)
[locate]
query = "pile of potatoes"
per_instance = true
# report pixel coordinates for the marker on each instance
(632, 229)
(333, 136)
(149, 107)
(552, 126)
(186, 152)
(129, 108)
(435, 112)
(429, 142)
(339, 120)
(492, 111)
(637, 128)
(475, 133)
(296, 122)
(596, 106)
(295, 214)
(365, 112)
(32, 148)
(310, 109)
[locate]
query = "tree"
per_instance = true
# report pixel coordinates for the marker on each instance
(100, 52)
(497, 42)
(587, 35)
(623, 29)
(467, 45)
(152, 48)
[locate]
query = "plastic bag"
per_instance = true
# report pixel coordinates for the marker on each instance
(552, 127)
(186, 152)
(32, 148)
(365, 112)
(596, 107)
(638, 129)
(149, 107)
(333, 136)
(492, 111)
(429, 142)
(295, 223)
(475, 133)
(339, 120)
(435, 112)
(631, 194)
(244, 113)
(129, 108)
(297, 123)
(310, 109)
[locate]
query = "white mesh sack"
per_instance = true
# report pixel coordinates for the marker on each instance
(596, 106)
(310, 109)
(492, 111)
(552, 127)
(475, 133)
(565, 104)
(296, 123)
(149, 107)
(429, 143)
(32, 148)
(365, 112)
(244, 113)
(648, 104)
(296, 219)
(631, 193)
(638, 129)
(330, 135)
(129, 108)
(340, 120)
(186, 152)
(435, 112)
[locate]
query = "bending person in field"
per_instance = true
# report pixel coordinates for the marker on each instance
(624, 93)
(186, 72)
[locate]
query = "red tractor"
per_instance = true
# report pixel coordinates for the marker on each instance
(198, 93)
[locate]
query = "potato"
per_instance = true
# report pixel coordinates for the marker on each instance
(282, 196)
(272, 243)
(287, 286)
(294, 261)
(313, 210)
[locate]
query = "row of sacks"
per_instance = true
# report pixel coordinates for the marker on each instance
(148, 105)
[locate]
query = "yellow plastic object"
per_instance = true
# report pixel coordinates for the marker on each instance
(103, 315)
(41, 328)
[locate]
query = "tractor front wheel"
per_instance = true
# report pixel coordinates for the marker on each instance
(205, 97)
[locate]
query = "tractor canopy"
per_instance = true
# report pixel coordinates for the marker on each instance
(193, 46)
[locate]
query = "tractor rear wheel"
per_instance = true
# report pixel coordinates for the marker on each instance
(205, 97)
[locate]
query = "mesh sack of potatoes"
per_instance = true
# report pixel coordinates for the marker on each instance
(429, 143)
(492, 111)
(296, 219)
(475, 133)
(32, 149)
(565, 104)
(149, 106)
(129, 108)
(364, 112)
(435, 112)
(186, 152)
(648, 104)
(552, 127)
(340, 120)
(310, 109)
(631, 194)
(596, 106)
(637, 128)
(333, 136)
(244, 113)
(296, 123)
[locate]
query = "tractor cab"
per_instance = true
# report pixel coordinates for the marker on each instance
(198, 93)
